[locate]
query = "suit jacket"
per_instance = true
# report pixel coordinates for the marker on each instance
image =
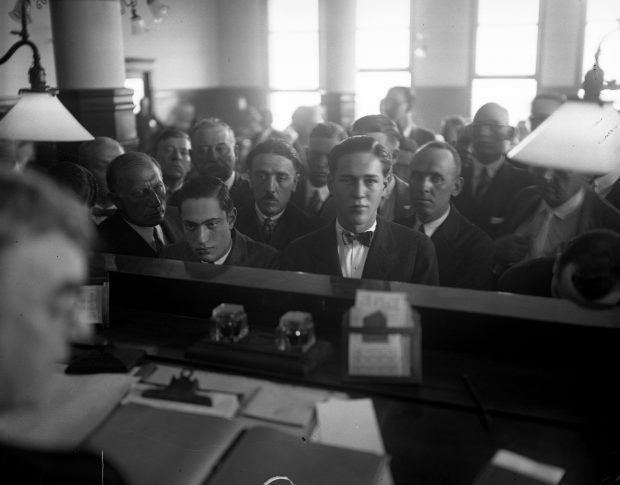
(464, 252)
(292, 224)
(244, 252)
(118, 237)
(241, 192)
(489, 213)
(396, 254)
(595, 213)
(613, 197)
(402, 202)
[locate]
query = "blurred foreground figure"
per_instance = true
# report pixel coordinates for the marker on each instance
(44, 236)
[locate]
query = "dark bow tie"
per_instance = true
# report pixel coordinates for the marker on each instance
(363, 237)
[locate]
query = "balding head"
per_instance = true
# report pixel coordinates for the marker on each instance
(491, 133)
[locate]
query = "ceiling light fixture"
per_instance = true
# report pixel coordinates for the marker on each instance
(38, 115)
(138, 26)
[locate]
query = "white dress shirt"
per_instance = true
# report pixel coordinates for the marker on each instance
(352, 256)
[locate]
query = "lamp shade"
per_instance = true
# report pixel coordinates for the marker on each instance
(40, 116)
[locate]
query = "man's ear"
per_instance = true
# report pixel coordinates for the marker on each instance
(458, 186)
(295, 181)
(232, 218)
(330, 183)
(394, 155)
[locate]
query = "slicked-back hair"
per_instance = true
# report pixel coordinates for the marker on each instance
(166, 134)
(329, 129)
(123, 162)
(32, 206)
(210, 122)
(377, 124)
(206, 187)
(439, 145)
(276, 147)
(359, 144)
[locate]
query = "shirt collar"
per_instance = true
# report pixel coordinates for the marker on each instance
(146, 233)
(491, 168)
(604, 182)
(431, 227)
(262, 217)
(340, 229)
(223, 258)
(230, 180)
(568, 207)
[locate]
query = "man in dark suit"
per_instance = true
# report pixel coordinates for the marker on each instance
(208, 216)
(490, 181)
(464, 252)
(141, 226)
(398, 105)
(273, 219)
(357, 244)
(546, 216)
(45, 236)
(312, 189)
(395, 203)
(214, 152)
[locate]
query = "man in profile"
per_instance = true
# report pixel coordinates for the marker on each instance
(490, 180)
(44, 239)
(209, 216)
(172, 150)
(358, 244)
(96, 155)
(398, 105)
(312, 190)
(464, 252)
(272, 218)
(141, 226)
(214, 152)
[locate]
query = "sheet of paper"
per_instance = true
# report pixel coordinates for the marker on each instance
(394, 306)
(224, 405)
(74, 408)
(285, 404)
(389, 358)
(90, 308)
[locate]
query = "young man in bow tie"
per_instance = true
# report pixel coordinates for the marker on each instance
(358, 244)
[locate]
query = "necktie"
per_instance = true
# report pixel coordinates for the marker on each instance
(158, 244)
(364, 238)
(268, 227)
(315, 203)
(483, 184)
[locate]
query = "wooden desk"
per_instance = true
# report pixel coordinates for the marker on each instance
(545, 369)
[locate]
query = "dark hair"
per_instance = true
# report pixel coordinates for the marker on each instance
(408, 94)
(440, 145)
(376, 124)
(210, 122)
(276, 147)
(359, 144)
(31, 206)
(596, 255)
(79, 180)
(408, 144)
(87, 150)
(166, 134)
(205, 187)
(123, 162)
(328, 129)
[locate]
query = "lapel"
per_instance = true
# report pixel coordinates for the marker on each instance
(238, 252)
(171, 225)
(132, 240)
(324, 251)
(448, 231)
(379, 260)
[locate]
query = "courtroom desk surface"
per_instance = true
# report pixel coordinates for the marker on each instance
(545, 369)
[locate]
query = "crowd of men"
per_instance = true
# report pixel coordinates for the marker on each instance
(465, 217)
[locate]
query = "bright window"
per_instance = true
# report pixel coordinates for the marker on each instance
(382, 55)
(506, 55)
(293, 57)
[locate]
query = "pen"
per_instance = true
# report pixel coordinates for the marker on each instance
(484, 413)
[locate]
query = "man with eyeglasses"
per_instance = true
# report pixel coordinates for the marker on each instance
(141, 226)
(490, 181)
(214, 152)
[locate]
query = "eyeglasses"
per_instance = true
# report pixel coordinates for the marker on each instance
(505, 131)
